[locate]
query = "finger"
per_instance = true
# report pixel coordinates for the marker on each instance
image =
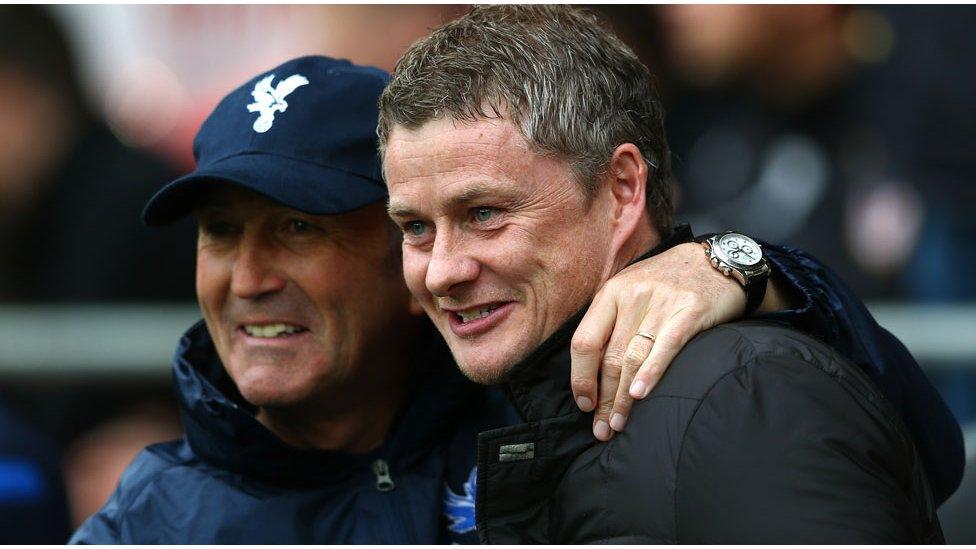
(637, 352)
(611, 370)
(615, 353)
(609, 377)
(636, 386)
(671, 338)
(586, 349)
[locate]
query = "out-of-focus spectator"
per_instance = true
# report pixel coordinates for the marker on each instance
(842, 130)
(33, 508)
(927, 113)
(70, 192)
(774, 129)
(394, 28)
(70, 199)
(95, 462)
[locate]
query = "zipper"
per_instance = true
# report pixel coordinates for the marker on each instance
(384, 482)
(402, 530)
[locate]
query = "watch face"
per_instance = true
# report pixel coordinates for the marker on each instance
(741, 249)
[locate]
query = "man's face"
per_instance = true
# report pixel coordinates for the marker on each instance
(296, 303)
(500, 245)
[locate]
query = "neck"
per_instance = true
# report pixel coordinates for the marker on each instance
(643, 239)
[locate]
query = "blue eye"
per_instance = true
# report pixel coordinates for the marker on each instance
(483, 213)
(416, 228)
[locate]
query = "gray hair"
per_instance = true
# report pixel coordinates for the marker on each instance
(570, 86)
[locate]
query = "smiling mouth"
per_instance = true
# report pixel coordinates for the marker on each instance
(469, 315)
(269, 331)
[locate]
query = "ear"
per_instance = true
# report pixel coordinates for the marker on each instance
(628, 183)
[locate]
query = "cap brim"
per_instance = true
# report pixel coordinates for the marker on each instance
(310, 188)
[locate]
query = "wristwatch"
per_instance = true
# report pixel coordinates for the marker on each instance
(740, 257)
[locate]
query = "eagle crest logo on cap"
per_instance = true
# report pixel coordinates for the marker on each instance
(268, 100)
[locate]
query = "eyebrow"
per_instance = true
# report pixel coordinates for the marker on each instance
(394, 209)
(475, 192)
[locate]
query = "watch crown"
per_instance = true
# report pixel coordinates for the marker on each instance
(727, 271)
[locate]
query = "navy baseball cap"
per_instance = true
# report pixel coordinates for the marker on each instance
(302, 134)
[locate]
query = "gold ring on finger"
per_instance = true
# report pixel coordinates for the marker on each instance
(648, 335)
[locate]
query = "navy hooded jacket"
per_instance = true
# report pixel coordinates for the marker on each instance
(231, 481)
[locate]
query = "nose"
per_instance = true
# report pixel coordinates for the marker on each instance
(255, 273)
(450, 265)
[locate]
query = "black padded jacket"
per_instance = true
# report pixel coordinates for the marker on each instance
(756, 434)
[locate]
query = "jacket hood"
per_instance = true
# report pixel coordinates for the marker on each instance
(222, 430)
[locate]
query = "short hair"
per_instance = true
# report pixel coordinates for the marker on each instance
(569, 85)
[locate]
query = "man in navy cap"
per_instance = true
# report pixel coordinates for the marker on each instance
(319, 404)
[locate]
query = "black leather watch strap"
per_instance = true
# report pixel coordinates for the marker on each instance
(755, 292)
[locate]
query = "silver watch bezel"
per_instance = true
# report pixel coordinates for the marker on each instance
(730, 267)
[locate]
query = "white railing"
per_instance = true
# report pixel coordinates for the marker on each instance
(84, 339)
(139, 339)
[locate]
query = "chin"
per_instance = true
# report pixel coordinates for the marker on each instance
(484, 367)
(482, 375)
(265, 387)
(262, 396)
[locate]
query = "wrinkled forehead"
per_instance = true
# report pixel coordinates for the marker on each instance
(460, 161)
(447, 140)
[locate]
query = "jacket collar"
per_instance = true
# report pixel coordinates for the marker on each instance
(539, 385)
(222, 430)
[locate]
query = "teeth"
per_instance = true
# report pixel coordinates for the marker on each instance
(474, 314)
(270, 330)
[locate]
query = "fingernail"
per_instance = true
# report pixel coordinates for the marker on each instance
(584, 404)
(601, 430)
(638, 389)
(617, 421)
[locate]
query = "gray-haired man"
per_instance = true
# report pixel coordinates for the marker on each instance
(526, 161)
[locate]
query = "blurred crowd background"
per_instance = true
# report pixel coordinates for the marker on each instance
(843, 130)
